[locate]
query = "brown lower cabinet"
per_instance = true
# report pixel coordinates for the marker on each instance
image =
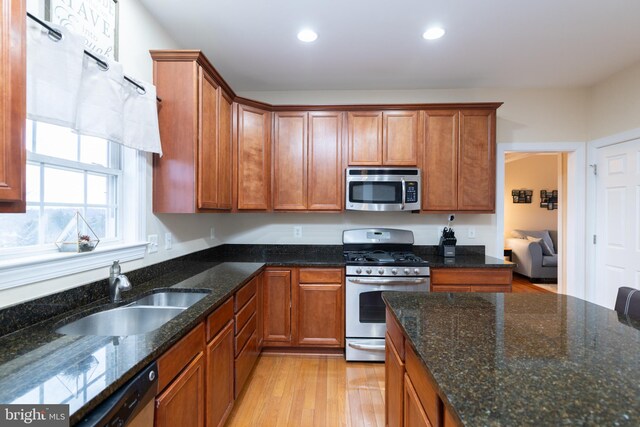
(200, 377)
(411, 397)
(471, 279)
(303, 307)
(246, 336)
(219, 366)
(181, 377)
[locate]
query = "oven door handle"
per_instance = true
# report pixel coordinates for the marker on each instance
(366, 347)
(404, 193)
(380, 281)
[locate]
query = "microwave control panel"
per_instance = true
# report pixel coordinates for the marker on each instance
(412, 192)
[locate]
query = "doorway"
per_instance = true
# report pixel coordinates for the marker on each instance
(534, 190)
(571, 238)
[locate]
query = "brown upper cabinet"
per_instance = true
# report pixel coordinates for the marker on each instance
(253, 158)
(12, 106)
(194, 173)
(388, 138)
(307, 162)
(458, 167)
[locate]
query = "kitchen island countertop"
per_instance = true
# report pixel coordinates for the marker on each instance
(524, 359)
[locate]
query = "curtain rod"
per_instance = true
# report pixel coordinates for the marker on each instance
(58, 35)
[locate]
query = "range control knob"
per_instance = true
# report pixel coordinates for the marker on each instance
(358, 270)
(368, 271)
(416, 271)
(381, 271)
(407, 271)
(394, 271)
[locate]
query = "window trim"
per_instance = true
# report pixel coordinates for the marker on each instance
(37, 266)
(27, 270)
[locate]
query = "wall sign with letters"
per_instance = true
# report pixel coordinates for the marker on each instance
(96, 20)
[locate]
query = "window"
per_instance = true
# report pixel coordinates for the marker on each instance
(66, 173)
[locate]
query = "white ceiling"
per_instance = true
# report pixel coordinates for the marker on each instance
(377, 44)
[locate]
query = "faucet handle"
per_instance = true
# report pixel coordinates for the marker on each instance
(115, 268)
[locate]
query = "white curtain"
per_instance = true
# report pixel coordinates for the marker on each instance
(68, 88)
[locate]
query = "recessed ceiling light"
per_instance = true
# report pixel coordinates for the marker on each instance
(307, 36)
(433, 33)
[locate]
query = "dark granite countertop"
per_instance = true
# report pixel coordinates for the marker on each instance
(525, 359)
(37, 365)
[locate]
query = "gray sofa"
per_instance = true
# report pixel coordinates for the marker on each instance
(529, 257)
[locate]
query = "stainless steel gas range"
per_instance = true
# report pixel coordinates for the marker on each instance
(377, 260)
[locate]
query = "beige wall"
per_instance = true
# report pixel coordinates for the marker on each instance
(614, 104)
(535, 172)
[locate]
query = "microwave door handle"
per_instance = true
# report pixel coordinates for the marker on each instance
(404, 193)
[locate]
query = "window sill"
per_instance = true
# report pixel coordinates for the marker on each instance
(22, 271)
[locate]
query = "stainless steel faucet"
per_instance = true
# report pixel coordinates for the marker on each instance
(117, 282)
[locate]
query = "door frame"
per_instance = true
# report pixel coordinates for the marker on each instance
(571, 274)
(592, 157)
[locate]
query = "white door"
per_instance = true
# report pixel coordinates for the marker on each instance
(617, 220)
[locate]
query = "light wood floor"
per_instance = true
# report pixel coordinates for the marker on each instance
(521, 284)
(310, 391)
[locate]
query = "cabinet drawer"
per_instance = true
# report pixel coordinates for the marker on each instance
(244, 294)
(244, 363)
(243, 336)
(219, 318)
(471, 276)
(320, 275)
(424, 389)
(177, 357)
(245, 314)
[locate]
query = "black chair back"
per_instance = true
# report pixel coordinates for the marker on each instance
(628, 302)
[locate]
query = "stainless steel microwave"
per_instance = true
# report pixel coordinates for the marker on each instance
(383, 189)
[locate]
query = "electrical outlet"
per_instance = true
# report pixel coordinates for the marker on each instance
(297, 232)
(471, 233)
(153, 243)
(168, 241)
(212, 232)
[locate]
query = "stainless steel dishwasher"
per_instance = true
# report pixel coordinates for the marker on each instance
(132, 405)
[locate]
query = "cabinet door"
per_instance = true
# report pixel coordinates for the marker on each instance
(208, 143)
(254, 175)
(320, 314)
(220, 377)
(477, 161)
(400, 142)
(277, 306)
(224, 150)
(182, 403)
(414, 414)
(325, 162)
(365, 138)
(394, 385)
(440, 161)
(12, 106)
(290, 161)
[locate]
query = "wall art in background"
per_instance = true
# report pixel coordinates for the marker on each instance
(521, 196)
(549, 199)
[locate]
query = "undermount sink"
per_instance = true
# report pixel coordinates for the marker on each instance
(139, 317)
(122, 321)
(170, 299)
